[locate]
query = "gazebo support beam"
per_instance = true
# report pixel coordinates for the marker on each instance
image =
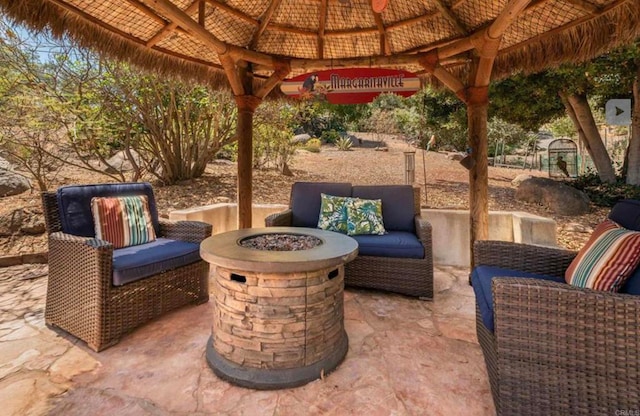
(247, 105)
(477, 112)
(241, 81)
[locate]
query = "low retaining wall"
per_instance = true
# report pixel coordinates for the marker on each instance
(224, 216)
(451, 232)
(450, 227)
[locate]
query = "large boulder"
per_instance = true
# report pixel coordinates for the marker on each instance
(121, 163)
(11, 183)
(520, 178)
(29, 221)
(558, 197)
(300, 138)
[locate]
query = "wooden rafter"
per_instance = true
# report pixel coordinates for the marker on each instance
(321, 28)
(146, 10)
(233, 76)
(282, 70)
(450, 17)
(487, 42)
(264, 22)
(585, 6)
(168, 29)
(385, 45)
(201, 10)
(509, 14)
(235, 12)
(187, 23)
(412, 20)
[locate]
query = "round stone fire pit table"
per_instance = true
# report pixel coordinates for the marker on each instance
(278, 318)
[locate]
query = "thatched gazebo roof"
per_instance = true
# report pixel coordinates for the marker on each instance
(320, 34)
(254, 44)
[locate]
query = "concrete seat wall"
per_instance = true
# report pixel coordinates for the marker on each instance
(450, 227)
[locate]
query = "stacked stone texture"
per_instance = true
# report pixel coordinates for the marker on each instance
(278, 321)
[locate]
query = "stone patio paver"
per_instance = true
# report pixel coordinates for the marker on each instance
(406, 357)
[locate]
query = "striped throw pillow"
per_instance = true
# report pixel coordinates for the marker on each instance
(607, 260)
(123, 221)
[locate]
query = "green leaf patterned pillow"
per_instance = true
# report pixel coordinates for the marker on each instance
(364, 216)
(333, 213)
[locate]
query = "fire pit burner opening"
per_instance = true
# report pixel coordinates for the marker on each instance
(280, 242)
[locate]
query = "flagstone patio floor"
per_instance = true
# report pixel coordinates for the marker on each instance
(406, 357)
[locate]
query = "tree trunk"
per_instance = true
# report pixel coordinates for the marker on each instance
(583, 119)
(574, 119)
(633, 151)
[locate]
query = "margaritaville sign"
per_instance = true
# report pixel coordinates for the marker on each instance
(351, 85)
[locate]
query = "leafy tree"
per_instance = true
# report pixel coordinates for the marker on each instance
(315, 117)
(525, 101)
(176, 128)
(272, 134)
(29, 127)
(533, 100)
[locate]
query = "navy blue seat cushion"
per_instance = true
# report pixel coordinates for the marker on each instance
(305, 200)
(398, 212)
(393, 244)
(137, 262)
(74, 204)
(481, 280)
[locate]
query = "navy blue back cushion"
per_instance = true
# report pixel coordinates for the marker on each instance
(397, 204)
(74, 203)
(305, 200)
(627, 214)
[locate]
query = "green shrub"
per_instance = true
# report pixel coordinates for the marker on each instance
(330, 136)
(313, 145)
(344, 144)
(604, 194)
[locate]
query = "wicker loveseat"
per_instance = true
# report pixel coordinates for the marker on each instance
(97, 293)
(400, 261)
(550, 347)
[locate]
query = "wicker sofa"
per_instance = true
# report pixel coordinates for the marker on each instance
(400, 261)
(552, 348)
(85, 297)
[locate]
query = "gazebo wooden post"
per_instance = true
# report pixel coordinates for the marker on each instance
(241, 80)
(477, 113)
(247, 105)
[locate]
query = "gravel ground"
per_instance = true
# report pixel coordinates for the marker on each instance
(447, 186)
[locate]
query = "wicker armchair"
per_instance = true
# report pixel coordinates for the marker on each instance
(555, 348)
(81, 297)
(408, 276)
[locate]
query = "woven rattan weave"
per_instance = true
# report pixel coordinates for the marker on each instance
(81, 298)
(557, 349)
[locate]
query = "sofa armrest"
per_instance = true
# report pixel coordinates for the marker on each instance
(550, 334)
(424, 233)
(79, 268)
(75, 240)
(190, 231)
(524, 257)
(279, 219)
